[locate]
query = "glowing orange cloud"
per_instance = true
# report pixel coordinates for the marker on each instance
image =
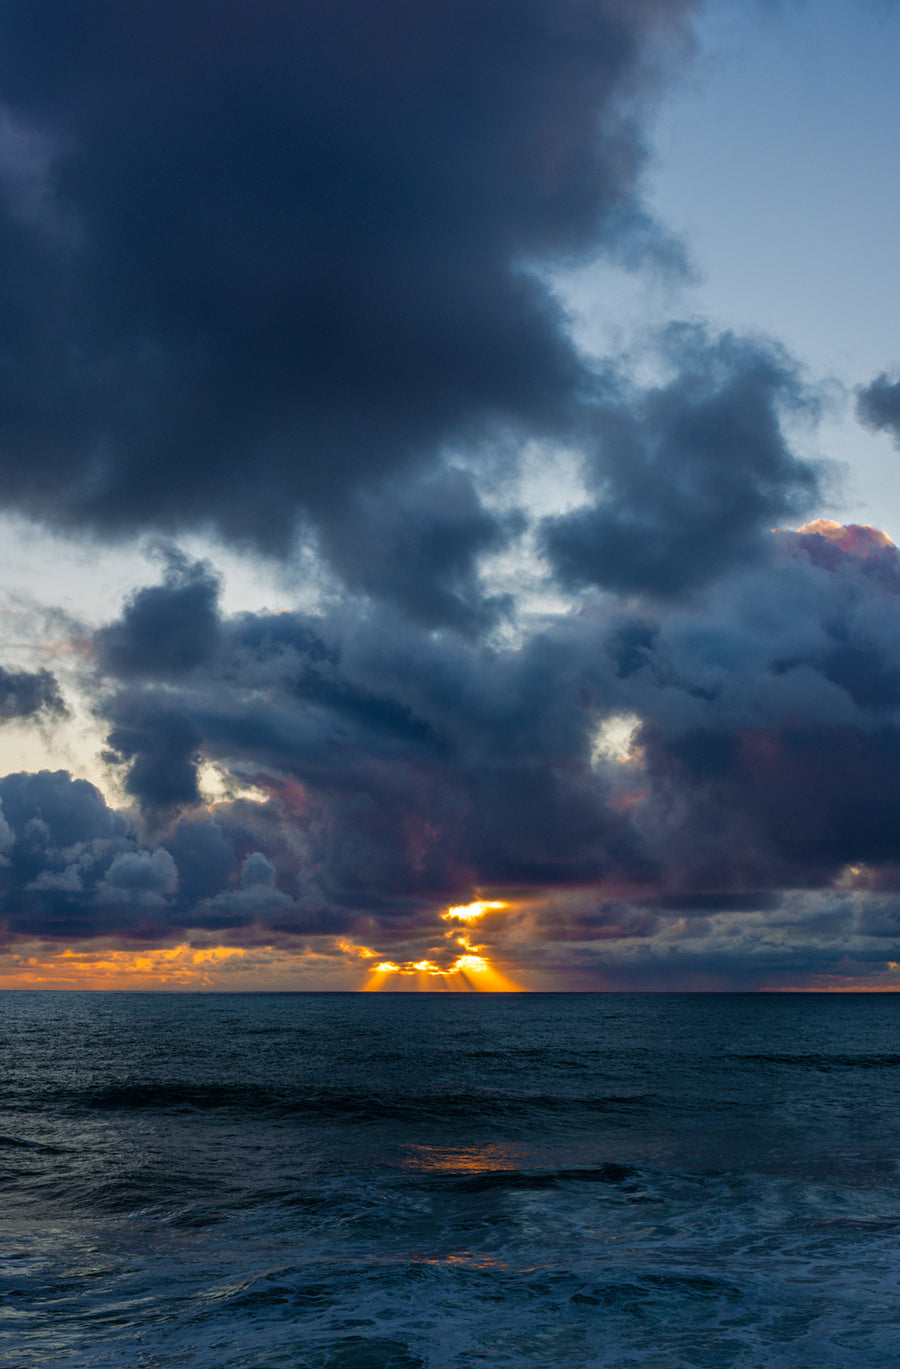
(469, 970)
(351, 948)
(859, 538)
(172, 967)
(330, 962)
(471, 912)
(184, 967)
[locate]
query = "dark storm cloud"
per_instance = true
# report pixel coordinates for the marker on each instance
(709, 784)
(283, 270)
(765, 754)
(165, 630)
(690, 475)
(416, 545)
(71, 867)
(771, 721)
(878, 406)
(29, 694)
(58, 839)
(401, 765)
(161, 744)
(422, 762)
(254, 257)
(204, 858)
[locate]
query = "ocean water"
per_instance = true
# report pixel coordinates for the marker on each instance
(445, 1181)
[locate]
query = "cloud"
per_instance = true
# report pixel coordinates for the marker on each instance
(303, 245)
(422, 761)
(689, 475)
(682, 792)
(60, 837)
(161, 745)
(74, 869)
(257, 899)
(139, 878)
(878, 406)
(203, 856)
(770, 719)
(29, 694)
(283, 274)
(416, 545)
(641, 770)
(165, 630)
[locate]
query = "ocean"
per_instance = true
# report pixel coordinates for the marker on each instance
(445, 1181)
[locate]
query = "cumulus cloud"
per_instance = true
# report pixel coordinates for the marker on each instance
(73, 868)
(60, 837)
(139, 880)
(256, 899)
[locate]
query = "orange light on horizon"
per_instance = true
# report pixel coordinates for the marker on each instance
(181, 966)
(469, 971)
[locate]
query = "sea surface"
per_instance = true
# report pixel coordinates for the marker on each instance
(445, 1181)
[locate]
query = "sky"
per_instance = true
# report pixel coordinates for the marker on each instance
(447, 464)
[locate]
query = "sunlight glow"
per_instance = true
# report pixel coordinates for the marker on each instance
(471, 912)
(613, 742)
(181, 966)
(469, 969)
(861, 539)
(351, 948)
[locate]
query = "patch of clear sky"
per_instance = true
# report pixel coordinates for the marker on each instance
(777, 160)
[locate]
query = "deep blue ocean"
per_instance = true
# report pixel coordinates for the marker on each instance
(418, 1181)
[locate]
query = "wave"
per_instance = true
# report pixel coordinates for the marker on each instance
(838, 1060)
(17, 1143)
(340, 1104)
(610, 1173)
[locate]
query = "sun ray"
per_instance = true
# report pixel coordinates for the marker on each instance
(469, 972)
